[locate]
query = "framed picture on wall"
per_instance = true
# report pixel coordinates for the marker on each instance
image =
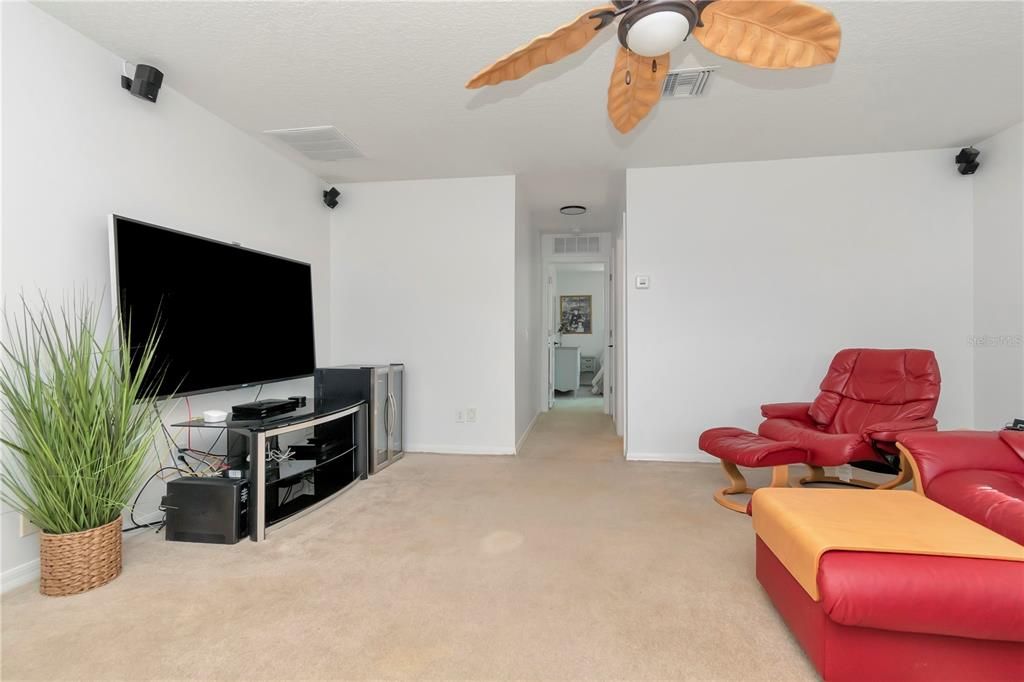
(577, 315)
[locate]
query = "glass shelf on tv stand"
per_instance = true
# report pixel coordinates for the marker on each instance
(328, 476)
(302, 414)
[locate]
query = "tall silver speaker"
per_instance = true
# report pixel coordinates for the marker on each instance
(382, 387)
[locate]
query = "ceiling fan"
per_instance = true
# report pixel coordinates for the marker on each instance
(769, 34)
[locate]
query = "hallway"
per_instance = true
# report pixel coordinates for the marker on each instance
(574, 430)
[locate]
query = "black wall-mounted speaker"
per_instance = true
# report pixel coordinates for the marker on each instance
(967, 161)
(331, 197)
(146, 84)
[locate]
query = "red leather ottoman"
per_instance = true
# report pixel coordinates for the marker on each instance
(739, 447)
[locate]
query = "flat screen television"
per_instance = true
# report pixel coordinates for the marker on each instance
(228, 316)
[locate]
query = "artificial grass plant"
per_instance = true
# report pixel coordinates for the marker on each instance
(80, 416)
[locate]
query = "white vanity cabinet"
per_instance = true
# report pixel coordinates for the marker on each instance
(567, 368)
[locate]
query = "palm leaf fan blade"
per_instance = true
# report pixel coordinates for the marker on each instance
(770, 34)
(635, 88)
(544, 50)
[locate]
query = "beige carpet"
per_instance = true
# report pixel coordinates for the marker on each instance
(564, 563)
(574, 430)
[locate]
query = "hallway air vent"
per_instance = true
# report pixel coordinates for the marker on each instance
(577, 245)
(321, 143)
(687, 82)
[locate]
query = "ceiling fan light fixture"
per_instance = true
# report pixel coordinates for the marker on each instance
(657, 34)
(573, 210)
(657, 27)
(773, 34)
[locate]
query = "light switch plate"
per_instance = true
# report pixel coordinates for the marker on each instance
(643, 282)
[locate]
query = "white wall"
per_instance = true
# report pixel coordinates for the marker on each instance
(772, 267)
(77, 147)
(573, 282)
(999, 280)
(528, 322)
(423, 272)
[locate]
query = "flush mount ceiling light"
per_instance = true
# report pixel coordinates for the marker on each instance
(768, 34)
(573, 210)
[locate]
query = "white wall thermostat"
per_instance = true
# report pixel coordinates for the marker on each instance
(643, 282)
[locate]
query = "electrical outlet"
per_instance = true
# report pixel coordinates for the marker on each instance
(26, 527)
(471, 415)
(459, 417)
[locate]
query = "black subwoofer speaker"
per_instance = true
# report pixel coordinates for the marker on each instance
(211, 510)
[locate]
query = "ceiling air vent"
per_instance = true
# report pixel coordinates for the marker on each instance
(577, 245)
(687, 82)
(320, 143)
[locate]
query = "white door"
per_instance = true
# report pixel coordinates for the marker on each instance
(608, 359)
(551, 324)
(619, 336)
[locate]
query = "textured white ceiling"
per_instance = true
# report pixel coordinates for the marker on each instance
(390, 76)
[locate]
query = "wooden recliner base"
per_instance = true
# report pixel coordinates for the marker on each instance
(818, 476)
(780, 479)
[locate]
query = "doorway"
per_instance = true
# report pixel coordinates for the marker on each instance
(578, 367)
(580, 305)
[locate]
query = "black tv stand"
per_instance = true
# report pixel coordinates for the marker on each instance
(296, 462)
(264, 409)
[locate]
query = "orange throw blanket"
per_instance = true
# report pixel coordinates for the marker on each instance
(799, 525)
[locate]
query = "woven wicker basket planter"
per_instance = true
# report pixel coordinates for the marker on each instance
(70, 563)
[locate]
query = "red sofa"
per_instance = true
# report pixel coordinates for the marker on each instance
(978, 474)
(911, 617)
(904, 618)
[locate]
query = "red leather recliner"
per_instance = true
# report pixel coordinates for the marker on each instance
(868, 398)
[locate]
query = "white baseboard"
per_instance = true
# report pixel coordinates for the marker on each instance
(19, 575)
(671, 457)
(526, 434)
(29, 571)
(457, 450)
